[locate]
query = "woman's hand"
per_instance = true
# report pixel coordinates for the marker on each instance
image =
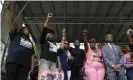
(84, 32)
(59, 69)
(129, 31)
(72, 58)
(49, 15)
(7, 7)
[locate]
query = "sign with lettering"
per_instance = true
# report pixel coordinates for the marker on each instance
(47, 75)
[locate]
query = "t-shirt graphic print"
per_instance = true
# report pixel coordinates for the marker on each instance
(48, 48)
(52, 47)
(20, 50)
(25, 43)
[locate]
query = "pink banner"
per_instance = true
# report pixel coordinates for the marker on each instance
(47, 75)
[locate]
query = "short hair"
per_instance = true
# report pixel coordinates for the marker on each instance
(92, 40)
(76, 40)
(107, 35)
(73, 41)
(50, 31)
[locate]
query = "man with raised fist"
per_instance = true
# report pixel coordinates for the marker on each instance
(48, 57)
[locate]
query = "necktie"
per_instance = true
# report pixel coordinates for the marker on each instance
(113, 47)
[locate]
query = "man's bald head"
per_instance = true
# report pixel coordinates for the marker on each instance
(109, 38)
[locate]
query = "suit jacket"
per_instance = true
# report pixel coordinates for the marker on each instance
(112, 57)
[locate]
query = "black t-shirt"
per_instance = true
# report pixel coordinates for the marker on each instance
(78, 54)
(20, 50)
(131, 47)
(48, 48)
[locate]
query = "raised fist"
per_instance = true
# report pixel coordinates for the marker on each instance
(49, 15)
(129, 31)
(7, 7)
(63, 31)
(84, 32)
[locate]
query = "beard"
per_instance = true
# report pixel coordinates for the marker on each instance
(76, 46)
(110, 41)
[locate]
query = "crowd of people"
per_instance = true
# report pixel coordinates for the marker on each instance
(94, 61)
